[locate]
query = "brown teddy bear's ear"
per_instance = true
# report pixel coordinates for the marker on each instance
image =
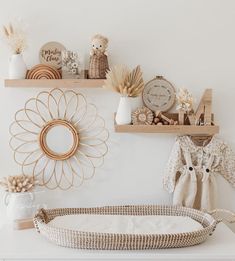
(106, 40)
(101, 37)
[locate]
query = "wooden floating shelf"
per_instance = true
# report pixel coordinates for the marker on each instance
(178, 129)
(60, 83)
(174, 129)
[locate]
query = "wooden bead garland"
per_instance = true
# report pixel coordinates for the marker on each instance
(142, 116)
(161, 119)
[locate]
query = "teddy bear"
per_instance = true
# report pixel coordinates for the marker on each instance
(98, 65)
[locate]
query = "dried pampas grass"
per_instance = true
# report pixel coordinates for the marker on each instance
(115, 78)
(15, 37)
(19, 183)
(125, 82)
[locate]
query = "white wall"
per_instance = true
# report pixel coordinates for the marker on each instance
(190, 42)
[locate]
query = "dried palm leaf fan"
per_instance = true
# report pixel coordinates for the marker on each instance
(121, 80)
(115, 78)
(42, 71)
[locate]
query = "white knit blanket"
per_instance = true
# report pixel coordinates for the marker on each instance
(127, 224)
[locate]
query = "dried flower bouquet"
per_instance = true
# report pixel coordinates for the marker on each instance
(127, 83)
(184, 101)
(15, 37)
(18, 183)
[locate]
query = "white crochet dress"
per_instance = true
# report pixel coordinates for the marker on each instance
(191, 171)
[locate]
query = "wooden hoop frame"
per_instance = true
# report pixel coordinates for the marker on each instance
(43, 144)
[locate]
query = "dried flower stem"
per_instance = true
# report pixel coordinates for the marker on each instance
(185, 101)
(127, 83)
(15, 37)
(19, 183)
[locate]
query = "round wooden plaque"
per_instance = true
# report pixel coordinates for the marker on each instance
(50, 54)
(142, 116)
(159, 94)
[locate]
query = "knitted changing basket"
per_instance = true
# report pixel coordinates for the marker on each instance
(108, 241)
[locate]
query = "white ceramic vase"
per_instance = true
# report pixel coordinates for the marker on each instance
(17, 67)
(123, 115)
(19, 205)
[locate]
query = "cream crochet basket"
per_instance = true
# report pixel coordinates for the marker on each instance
(107, 241)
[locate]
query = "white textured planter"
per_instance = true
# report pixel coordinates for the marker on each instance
(136, 102)
(19, 205)
(123, 115)
(17, 67)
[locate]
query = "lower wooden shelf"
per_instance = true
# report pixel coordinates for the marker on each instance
(186, 129)
(178, 129)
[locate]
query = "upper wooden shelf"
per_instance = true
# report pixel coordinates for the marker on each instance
(176, 129)
(61, 83)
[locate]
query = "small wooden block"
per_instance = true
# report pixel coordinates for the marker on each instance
(20, 224)
(181, 117)
(165, 118)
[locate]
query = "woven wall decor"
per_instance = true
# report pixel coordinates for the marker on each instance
(142, 116)
(59, 138)
(42, 71)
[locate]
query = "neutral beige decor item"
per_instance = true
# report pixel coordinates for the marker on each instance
(59, 138)
(142, 116)
(19, 196)
(43, 72)
(203, 114)
(161, 119)
(123, 114)
(184, 106)
(72, 65)
(127, 83)
(98, 65)
(120, 241)
(185, 100)
(15, 37)
(50, 54)
(191, 171)
(159, 94)
(20, 224)
(127, 224)
(18, 183)
(20, 205)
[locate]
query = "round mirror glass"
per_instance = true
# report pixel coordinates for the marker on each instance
(59, 139)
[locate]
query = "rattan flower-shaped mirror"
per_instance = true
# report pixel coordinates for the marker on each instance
(59, 138)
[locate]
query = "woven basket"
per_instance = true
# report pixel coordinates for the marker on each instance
(107, 241)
